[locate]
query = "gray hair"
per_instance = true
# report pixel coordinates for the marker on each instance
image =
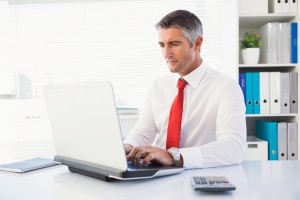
(184, 20)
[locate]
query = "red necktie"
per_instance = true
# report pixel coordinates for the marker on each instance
(175, 117)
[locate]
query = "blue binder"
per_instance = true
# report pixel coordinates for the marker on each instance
(249, 93)
(268, 131)
(242, 82)
(294, 42)
(256, 93)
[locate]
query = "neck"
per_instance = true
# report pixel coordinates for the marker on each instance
(197, 63)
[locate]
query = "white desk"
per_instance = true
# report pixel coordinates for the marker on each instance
(253, 179)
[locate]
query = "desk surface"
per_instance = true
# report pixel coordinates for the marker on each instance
(253, 179)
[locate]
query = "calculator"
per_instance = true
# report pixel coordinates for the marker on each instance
(212, 184)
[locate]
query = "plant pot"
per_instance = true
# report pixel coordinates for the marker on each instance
(250, 55)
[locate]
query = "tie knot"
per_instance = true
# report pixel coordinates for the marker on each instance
(181, 84)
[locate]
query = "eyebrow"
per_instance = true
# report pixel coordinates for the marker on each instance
(174, 41)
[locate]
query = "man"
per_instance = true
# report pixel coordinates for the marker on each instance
(199, 123)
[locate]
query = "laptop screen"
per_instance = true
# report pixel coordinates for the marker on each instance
(84, 123)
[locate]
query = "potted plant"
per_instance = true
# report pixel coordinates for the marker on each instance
(250, 45)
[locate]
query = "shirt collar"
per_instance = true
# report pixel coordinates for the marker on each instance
(195, 76)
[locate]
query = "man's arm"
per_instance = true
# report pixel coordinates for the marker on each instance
(144, 131)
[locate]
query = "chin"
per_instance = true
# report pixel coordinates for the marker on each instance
(172, 69)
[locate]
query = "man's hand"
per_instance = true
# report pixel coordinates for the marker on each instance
(150, 153)
(128, 148)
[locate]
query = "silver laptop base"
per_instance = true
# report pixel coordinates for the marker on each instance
(91, 174)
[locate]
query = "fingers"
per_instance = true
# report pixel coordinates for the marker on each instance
(162, 156)
(150, 157)
(149, 154)
(128, 148)
(137, 154)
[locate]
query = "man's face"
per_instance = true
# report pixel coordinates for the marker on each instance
(177, 51)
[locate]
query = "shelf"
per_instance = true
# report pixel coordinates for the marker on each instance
(256, 21)
(268, 65)
(271, 115)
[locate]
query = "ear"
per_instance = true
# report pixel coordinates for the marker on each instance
(198, 43)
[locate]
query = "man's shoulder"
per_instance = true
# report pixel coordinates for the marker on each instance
(218, 76)
(222, 84)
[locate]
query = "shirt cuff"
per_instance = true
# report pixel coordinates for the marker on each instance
(192, 157)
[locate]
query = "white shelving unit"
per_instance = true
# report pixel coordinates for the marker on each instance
(288, 65)
(256, 21)
(271, 115)
(253, 22)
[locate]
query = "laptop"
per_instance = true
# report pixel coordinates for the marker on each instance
(87, 135)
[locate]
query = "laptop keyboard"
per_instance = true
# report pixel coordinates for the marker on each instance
(142, 165)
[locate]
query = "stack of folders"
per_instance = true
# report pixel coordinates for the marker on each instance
(279, 42)
(282, 138)
(270, 92)
(286, 6)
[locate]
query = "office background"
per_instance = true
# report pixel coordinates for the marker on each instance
(46, 41)
(52, 41)
(43, 41)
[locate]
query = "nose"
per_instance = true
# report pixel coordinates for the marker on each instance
(167, 52)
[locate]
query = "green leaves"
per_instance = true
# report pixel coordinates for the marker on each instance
(250, 40)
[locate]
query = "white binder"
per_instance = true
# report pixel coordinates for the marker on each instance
(294, 92)
(284, 49)
(282, 140)
(275, 6)
(285, 6)
(293, 6)
(275, 96)
(264, 90)
(285, 92)
(270, 43)
(292, 141)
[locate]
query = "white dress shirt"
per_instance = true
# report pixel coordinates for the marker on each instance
(213, 128)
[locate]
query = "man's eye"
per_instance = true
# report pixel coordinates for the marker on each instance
(175, 44)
